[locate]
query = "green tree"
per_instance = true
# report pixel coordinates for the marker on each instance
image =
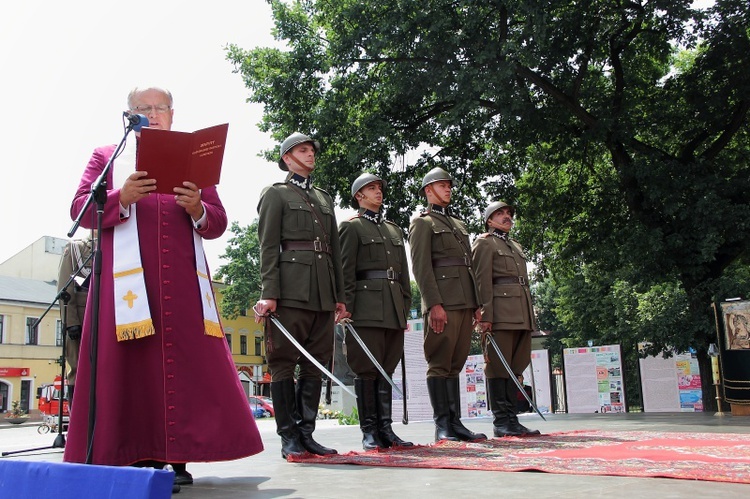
(619, 129)
(242, 273)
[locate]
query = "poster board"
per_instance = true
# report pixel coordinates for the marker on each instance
(537, 374)
(671, 385)
(594, 380)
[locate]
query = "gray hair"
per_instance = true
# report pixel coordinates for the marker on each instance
(138, 90)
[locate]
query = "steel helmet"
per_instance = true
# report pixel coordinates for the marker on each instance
(363, 180)
(295, 139)
(493, 207)
(435, 175)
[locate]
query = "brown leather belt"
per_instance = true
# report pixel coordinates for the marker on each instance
(510, 280)
(389, 274)
(316, 246)
(451, 262)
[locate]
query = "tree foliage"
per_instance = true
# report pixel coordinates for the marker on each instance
(619, 129)
(242, 273)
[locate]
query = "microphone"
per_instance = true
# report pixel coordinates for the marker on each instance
(137, 121)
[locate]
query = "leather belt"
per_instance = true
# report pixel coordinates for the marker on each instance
(389, 274)
(510, 280)
(451, 262)
(316, 246)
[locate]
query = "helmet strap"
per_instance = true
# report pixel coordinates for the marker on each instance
(299, 163)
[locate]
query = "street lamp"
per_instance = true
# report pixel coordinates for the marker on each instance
(713, 352)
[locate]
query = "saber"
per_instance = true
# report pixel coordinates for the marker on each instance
(309, 356)
(348, 324)
(405, 419)
(512, 375)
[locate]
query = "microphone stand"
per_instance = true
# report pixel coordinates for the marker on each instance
(63, 295)
(99, 195)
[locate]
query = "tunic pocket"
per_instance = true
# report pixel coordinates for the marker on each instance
(299, 217)
(295, 268)
(506, 304)
(449, 284)
(368, 301)
(374, 248)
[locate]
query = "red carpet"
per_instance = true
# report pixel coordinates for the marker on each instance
(719, 457)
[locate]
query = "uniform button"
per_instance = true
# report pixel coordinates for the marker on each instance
(319, 257)
(170, 392)
(168, 344)
(166, 282)
(388, 252)
(165, 237)
(164, 224)
(171, 407)
(167, 297)
(316, 221)
(365, 286)
(172, 439)
(165, 212)
(293, 259)
(168, 328)
(171, 423)
(170, 361)
(165, 251)
(167, 313)
(170, 376)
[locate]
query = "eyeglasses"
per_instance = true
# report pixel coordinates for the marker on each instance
(163, 108)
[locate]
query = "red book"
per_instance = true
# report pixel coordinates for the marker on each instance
(175, 157)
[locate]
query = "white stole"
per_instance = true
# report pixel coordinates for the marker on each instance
(132, 313)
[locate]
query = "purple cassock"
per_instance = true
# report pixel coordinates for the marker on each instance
(174, 396)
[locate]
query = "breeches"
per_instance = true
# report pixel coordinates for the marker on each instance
(516, 348)
(313, 330)
(446, 352)
(386, 345)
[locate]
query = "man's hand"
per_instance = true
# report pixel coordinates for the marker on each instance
(437, 318)
(263, 308)
(341, 312)
(189, 197)
(135, 188)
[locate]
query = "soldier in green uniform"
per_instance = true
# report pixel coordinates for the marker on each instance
(507, 314)
(302, 282)
(378, 295)
(75, 262)
(441, 262)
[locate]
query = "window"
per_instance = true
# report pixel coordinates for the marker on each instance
(243, 345)
(32, 331)
(229, 340)
(58, 333)
(258, 341)
(2, 328)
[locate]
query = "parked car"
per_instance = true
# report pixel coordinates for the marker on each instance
(262, 407)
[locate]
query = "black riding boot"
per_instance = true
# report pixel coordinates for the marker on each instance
(385, 419)
(368, 412)
(308, 398)
(285, 413)
(454, 404)
(511, 395)
(501, 426)
(438, 391)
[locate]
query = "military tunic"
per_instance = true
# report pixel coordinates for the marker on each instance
(502, 276)
(71, 264)
(441, 262)
(299, 261)
(377, 290)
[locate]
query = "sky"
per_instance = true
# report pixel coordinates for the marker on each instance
(67, 68)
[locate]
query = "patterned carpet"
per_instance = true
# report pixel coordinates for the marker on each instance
(719, 457)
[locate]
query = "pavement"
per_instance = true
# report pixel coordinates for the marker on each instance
(267, 475)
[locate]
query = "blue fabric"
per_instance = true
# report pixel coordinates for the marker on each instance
(24, 479)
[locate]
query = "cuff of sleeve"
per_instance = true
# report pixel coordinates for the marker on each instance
(202, 222)
(124, 212)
